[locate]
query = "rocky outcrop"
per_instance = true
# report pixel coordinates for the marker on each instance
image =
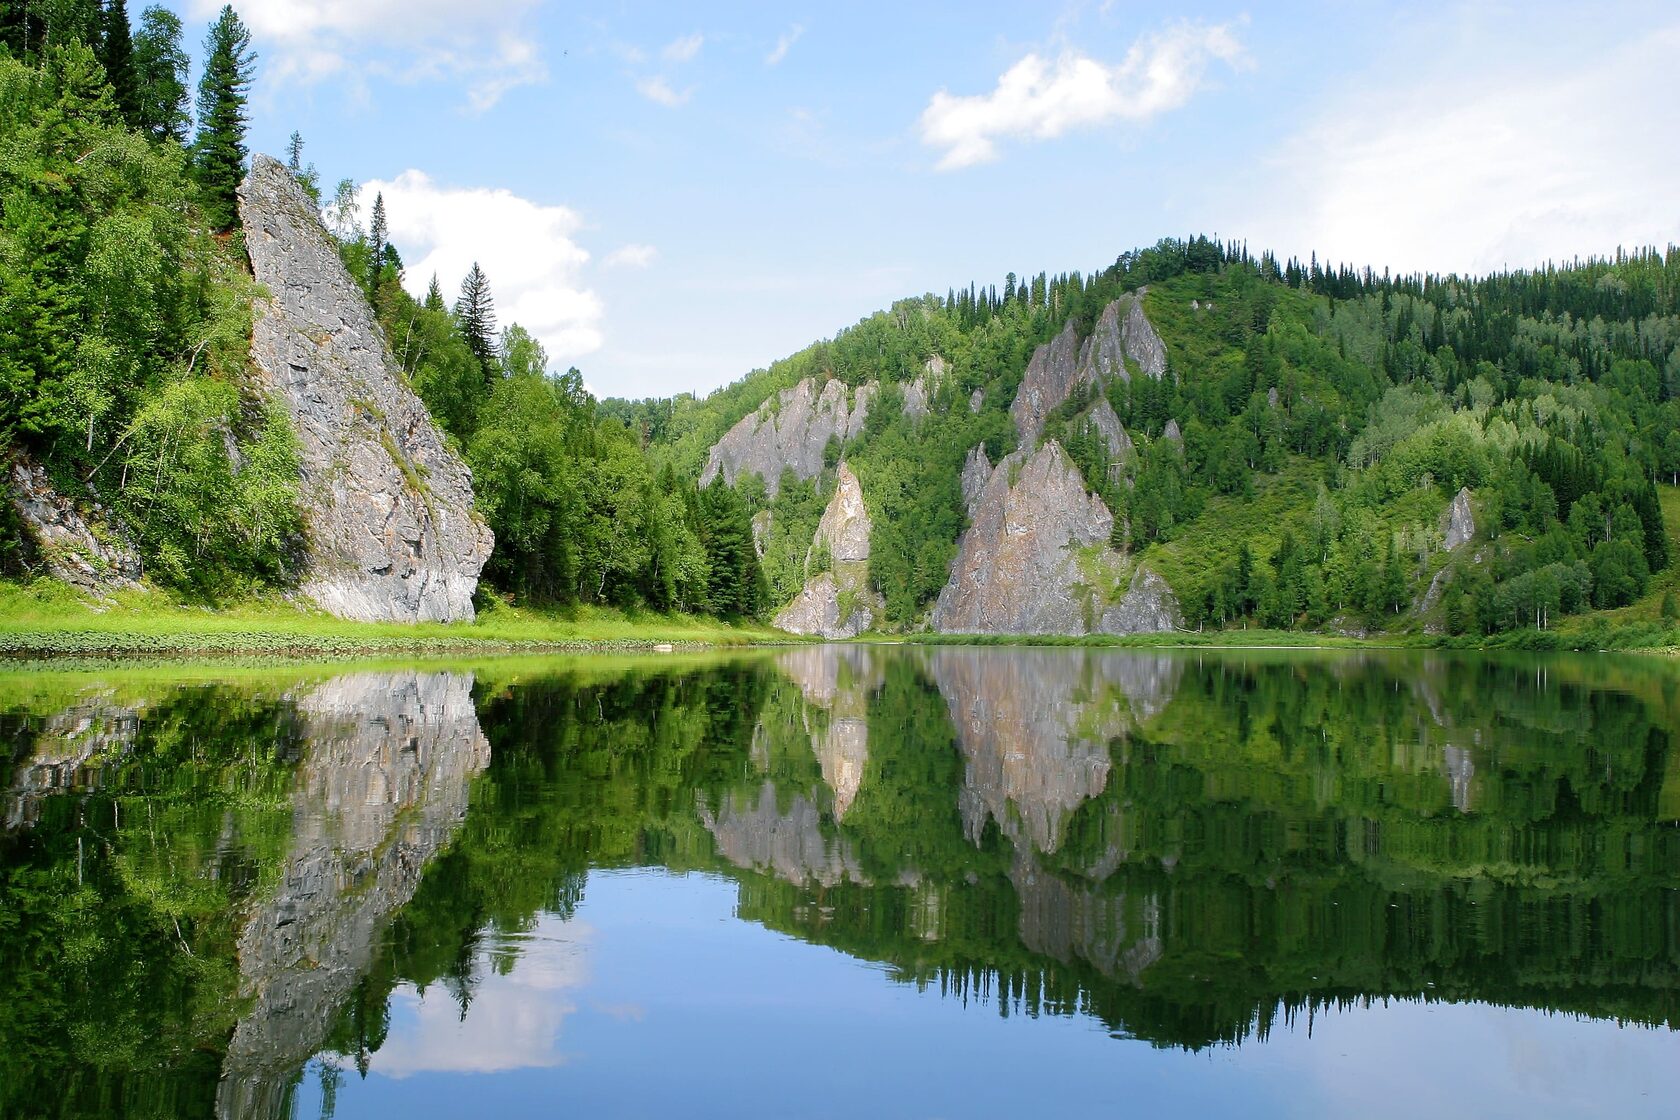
(1171, 432)
(1458, 524)
(388, 506)
(790, 433)
(1121, 341)
(1107, 424)
(1015, 569)
(381, 789)
(1148, 607)
(63, 540)
(837, 602)
(1019, 568)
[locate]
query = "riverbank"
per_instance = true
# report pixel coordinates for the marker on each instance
(47, 619)
(1589, 633)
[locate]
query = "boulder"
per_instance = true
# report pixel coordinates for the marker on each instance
(388, 507)
(790, 433)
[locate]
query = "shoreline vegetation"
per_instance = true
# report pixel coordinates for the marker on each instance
(49, 621)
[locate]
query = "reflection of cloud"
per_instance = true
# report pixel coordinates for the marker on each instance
(513, 1021)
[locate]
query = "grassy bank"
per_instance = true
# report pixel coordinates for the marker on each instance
(45, 618)
(1596, 632)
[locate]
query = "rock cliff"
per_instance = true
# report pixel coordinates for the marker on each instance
(789, 433)
(1458, 524)
(1121, 341)
(837, 603)
(1034, 559)
(389, 508)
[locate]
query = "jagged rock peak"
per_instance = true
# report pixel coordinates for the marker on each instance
(1123, 332)
(977, 471)
(845, 526)
(388, 506)
(1051, 374)
(1107, 423)
(790, 431)
(1459, 522)
(1015, 570)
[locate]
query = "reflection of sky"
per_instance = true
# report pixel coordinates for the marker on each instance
(657, 1001)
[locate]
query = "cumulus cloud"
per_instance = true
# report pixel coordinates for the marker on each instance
(1512, 166)
(783, 45)
(525, 248)
(683, 49)
(481, 44)
(659, 91)
(1040, 99)
(631, 256)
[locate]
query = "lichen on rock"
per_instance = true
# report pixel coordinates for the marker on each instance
(388, 507)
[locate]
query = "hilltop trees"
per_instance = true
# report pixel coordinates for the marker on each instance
(160, 77)
(475, 311)
(219, 148)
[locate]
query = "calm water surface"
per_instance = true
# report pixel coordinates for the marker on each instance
(845, 880)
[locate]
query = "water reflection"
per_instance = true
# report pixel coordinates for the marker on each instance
(382, 871)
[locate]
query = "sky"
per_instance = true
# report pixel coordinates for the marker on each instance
(672, 195)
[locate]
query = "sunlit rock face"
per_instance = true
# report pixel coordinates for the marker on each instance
(755, 833)
(381, 789)
(1458, 524)
(392, 532)
(837, 682)
(1121, 341)
(789, 432)
(837, 603)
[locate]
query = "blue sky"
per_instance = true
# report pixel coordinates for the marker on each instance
(670, 195)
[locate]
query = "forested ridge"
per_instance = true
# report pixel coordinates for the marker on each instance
(1290, 469)
(1321, 420)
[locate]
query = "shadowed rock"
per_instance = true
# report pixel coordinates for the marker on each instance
(392, 532)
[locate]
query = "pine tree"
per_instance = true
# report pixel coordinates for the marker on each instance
(475, 313)
(160, 77)
(219, 149)
(116, 54)
(434, 295)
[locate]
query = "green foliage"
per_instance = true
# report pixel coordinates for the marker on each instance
(161, 65)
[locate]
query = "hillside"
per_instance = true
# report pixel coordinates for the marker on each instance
(1251, 443)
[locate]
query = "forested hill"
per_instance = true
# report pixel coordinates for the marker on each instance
(1294, 464)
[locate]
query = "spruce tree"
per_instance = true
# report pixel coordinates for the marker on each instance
(219, 149)
(378, 241)
(116, 54)
(434, 295)
(475, 312)
(160, 76)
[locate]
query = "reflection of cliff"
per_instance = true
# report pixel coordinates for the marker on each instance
(756, 834)
(1034, 727)
(67, 750)
(837, 681)
(381, 789)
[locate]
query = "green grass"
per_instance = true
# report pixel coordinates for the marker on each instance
(46, 618)
(1210, 542)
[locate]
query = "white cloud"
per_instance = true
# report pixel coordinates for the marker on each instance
(683, 49)
(1039, 99)
(481, 44)
(525, 248)
(659, 91)
(631, 256)
(784, 44)
(1466, 170)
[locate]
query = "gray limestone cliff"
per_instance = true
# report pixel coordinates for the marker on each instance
(67, 542)
(1035, 557)
(388, 506)
(836, 602)
(789, 432)
(381, 790)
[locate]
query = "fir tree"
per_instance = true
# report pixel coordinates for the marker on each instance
(378, 242)
(219, 149)
(475, 312)
(434, 295)
(116, 53)
(160, 77)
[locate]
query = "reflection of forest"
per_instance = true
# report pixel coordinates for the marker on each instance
(224, 880)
